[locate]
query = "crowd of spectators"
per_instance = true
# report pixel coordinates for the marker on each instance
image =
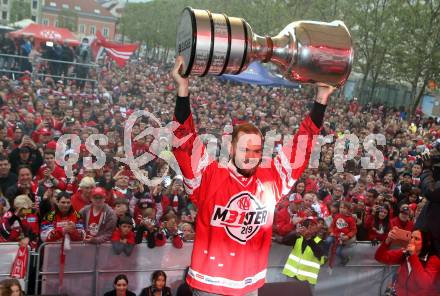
(39, 203)
(41, 58)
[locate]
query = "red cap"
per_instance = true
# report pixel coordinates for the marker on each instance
(44, 131)
(52, 145)
(99, 191)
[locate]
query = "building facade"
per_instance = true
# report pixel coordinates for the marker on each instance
(87, 16)
(6, 6)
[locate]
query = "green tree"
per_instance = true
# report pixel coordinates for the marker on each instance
(68, 19)
(20, 9)
(417, 54)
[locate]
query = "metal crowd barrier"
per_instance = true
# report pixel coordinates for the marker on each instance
(8, 251)
(90, 269)
(39, 61)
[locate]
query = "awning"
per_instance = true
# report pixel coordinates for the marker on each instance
(47, 33)
(257, 74)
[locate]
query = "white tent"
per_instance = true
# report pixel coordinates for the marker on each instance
(5, 29)
(22, 24)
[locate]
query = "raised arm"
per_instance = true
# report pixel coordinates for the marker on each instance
(190, 153)
(294, 159)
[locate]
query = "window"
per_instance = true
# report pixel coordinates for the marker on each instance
(34, 4)
(82, 28)
(4, 15)
(45, 21)
(105, 31)
(5, 2)
(92, 30)
(77, 7)
(66, 6)
(97, 11)
(34, 18)
(57, 23)
(53, 4)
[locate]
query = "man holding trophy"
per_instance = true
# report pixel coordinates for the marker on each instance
(236, 201)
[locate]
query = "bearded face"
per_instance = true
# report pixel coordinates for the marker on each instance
(247, 153)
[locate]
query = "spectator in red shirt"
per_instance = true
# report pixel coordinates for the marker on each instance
(342, 231)
(50, 174)
(99, 218)
(82, 197)
(378, 223)
(62, 221)
(20, 223)
(403, 220)
(123, 238)
(286, 219)
(419, 271)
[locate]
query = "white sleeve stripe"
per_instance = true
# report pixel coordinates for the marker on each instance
(285, 174)
(285, 164)
(192, 183)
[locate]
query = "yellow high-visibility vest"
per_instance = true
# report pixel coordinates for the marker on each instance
(304, 266)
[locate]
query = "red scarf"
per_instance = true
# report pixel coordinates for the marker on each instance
(19, 266)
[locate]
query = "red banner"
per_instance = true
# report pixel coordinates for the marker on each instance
(120, 53)
(19, 266)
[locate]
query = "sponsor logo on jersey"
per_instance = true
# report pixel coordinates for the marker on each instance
(241, 218)
(341, 223)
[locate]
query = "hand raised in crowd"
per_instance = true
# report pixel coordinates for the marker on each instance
(391, 236)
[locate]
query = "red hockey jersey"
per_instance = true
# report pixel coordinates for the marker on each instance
(235, 213)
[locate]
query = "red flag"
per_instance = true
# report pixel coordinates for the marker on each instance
(120, 53)
(19, 266)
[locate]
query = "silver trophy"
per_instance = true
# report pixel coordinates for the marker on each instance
(305, 51)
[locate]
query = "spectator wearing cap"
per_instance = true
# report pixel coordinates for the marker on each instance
(50, 174)
(61, 221)
(99, 218)
(287, 218)
(82, 197)
(307, 255)
(43, 137)
(403, 220)
(27, 154)
(123, 238)
(20, 223)
(406, 181)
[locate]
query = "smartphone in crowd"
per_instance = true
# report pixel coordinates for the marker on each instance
(402, 237)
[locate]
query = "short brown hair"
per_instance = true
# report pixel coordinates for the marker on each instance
(247, 128)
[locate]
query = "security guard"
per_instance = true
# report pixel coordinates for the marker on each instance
(307, 255)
